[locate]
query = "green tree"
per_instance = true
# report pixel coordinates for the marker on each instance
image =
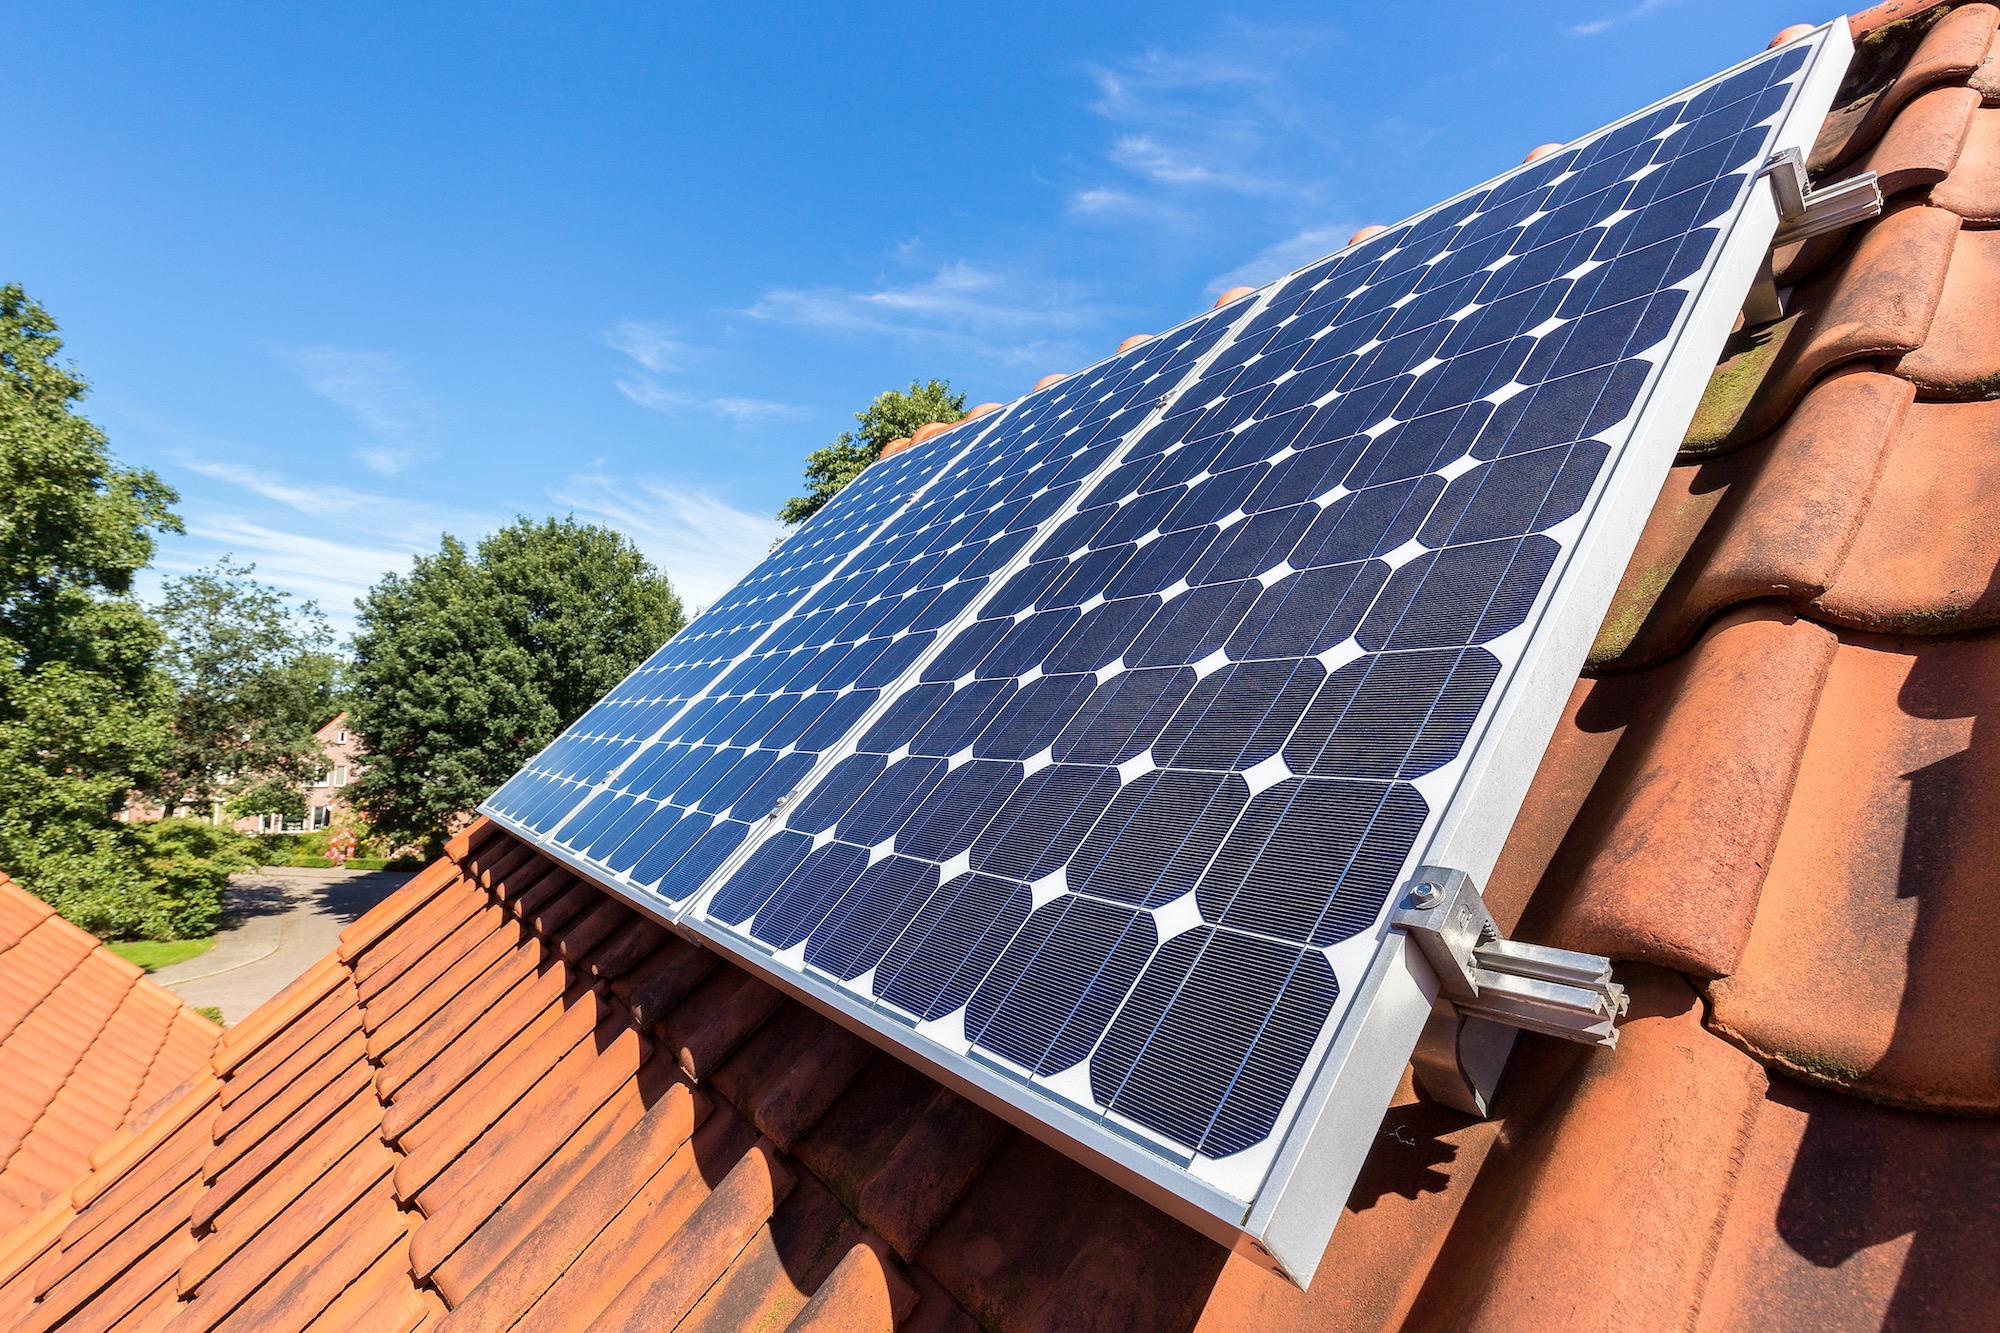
(891, 416)
(83, 709)
(253, 678)
(474, 660)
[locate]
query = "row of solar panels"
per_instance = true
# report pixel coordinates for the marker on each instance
(1079, 751)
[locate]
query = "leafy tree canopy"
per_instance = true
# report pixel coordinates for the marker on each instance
(474, 660)
(253, 678)
(892, 416)
(83, 708)
(74, 526)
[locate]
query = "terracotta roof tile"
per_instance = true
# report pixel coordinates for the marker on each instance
(1884, 79)
(787, 1075)
(788, 1259)
(483, 1004)
(713, 1021)
(1923, 557)
(1009, 1244)
(20, 912)
(933, 1163)
(1671, 786)
(1922, 145)
(388, 1028)
(84, 1040)
(279, 1012)
(657, 986)
(1987, 77)
(524, 1247)
(1961, 355)
(447, 917)
(1863, 968)
(434, 1140)
(481, 1180)
(1878, 301)
(1972, 189)
(865, 1291)
(491, 1039)
(645, 1223)
(703, 1247)
(381, 1300)
(358, 937)
(1860, 1214)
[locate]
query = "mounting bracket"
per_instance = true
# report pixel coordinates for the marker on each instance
(1490, 988)
(1804, 212)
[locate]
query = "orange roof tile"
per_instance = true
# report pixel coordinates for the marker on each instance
(87, 1046)
(508, 1101)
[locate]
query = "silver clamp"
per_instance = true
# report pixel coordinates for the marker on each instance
(1805, 211)
(1490, 987)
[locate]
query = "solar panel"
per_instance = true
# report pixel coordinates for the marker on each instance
(1077, 754)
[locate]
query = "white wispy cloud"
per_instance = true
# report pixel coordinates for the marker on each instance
(653, 346)
(342, 541)
(1619, 19)
(375, 389)
(321, 565)
(1236, 144)
(1281, 257)
(1146, 156)
(702, 543)
(1008, 318)
(753, 409)
(328, 542)
(659, 353)
(1227, 121)
(1102, 199)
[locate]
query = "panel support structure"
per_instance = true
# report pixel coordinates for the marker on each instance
(1490, 986)
(1803, 213)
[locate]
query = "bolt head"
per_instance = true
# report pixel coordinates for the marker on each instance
(1426, 895)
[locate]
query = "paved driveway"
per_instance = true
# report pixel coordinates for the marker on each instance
(276, 923)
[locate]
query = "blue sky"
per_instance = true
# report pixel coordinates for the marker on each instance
(350, 277)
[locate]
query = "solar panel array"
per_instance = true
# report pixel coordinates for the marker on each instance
(668, 773)
(1077, 742)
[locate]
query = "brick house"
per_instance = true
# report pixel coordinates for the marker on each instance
(326, 795)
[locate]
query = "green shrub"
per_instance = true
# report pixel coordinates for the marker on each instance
(188, 863)
(160, 881)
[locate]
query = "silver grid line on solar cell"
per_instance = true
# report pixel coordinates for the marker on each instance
(1275, 1186)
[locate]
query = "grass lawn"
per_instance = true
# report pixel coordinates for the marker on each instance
(152, 954)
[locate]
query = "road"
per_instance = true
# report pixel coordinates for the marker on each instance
(276, 923)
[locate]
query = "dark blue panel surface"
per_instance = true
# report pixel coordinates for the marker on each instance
(1170, 761)
(1084, 748)
(730, 717)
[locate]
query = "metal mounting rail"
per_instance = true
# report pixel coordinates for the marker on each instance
(1489, 987)
(1805, 210)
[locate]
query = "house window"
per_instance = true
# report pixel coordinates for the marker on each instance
(340, 775)
(320, 778)
(340, 738)
(322, 817)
